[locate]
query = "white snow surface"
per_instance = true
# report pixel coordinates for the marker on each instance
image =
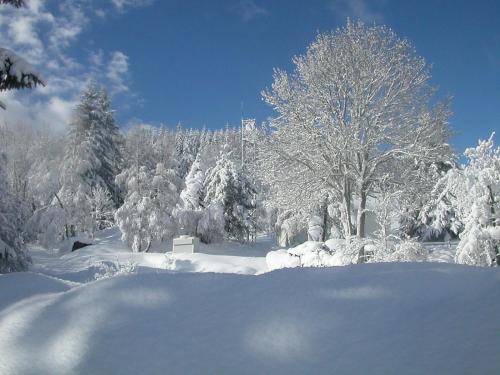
(105, 310)
(412, 318)
(110, 256)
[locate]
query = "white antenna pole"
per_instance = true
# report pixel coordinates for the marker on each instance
(242, 142)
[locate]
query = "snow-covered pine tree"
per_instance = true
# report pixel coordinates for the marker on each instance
(189, 208)
(437, 217)
(108, 144)
(13, 255)
(92, 159)
(219, 197)
(191, 195)
(134, 216)
(245, 214)
(229, 188)
(165, 195)
(16, 3)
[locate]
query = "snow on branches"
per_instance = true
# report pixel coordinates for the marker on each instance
(355, 111)
(16, 73)
(474, 192)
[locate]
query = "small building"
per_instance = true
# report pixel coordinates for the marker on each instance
(185, 244)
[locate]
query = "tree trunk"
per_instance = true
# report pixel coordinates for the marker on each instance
(492, 202)
(346, 206)
(325, 219)
(361, 219)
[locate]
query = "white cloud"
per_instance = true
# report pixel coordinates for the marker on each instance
(96, 58)
(122, 5)
(364, 10)
(248, 10)
(117, 72)
(54, 112)
(43, 32)
(101, 13)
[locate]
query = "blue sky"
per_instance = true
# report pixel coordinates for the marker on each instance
(195, 61)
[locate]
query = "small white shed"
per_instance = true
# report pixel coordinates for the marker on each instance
(186, 244)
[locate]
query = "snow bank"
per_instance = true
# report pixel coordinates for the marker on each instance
(310, 254)
(411, 318)
(215, 263)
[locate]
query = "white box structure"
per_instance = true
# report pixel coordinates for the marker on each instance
(186, 244)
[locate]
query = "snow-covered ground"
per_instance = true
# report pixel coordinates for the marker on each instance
(425, 318)
(110, 256)
(103, 310)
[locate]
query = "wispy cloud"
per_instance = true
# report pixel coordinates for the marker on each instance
(117, 72)
(122, 5)
(249, 10)
(43, 32)
(364, 10)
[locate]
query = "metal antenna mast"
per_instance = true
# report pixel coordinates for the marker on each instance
(242, 141)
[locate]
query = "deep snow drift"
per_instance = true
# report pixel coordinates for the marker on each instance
(424, 318)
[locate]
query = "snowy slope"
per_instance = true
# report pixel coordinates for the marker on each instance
(110, 256)
(424, 318)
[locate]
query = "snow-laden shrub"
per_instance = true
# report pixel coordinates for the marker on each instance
(211, 224)
(333, 252)
(339, 252)
(107, 269)
(407, 250)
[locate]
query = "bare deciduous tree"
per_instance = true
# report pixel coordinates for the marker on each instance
(355, 109)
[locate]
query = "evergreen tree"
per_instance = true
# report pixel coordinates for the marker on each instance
(134, 216)
(92, 159)
(12, 253)
(165, 194)
(229, 188)
(188, 210)
(108, 143)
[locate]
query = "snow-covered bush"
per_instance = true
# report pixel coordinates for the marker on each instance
(407, 250)
(211, 224)
(339, 252)
(107, 269)
(334, 252)
(474, 193)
